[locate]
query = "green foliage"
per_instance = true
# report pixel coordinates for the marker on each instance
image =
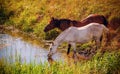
(52, 34)
(2, 16)
(39, 27)
(32, 16)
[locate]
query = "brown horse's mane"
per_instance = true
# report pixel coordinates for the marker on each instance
(58, 22)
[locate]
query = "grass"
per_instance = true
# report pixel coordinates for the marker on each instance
(32, 16)
(105, 64)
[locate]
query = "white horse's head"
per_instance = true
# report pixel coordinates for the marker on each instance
(52, 49)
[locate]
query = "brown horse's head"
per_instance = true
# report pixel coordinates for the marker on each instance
(53, 23)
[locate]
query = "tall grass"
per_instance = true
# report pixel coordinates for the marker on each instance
(109, 63)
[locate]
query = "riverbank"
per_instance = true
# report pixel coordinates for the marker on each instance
(26, 36)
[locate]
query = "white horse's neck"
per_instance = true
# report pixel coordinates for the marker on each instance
(61, 37)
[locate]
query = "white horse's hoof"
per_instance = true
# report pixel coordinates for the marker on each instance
(49, 55)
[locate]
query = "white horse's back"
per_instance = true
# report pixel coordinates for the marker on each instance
(82, 34)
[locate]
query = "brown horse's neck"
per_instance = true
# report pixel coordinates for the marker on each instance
(64, 25)
(78, 24)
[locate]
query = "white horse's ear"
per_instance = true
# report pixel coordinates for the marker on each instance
(51, 43)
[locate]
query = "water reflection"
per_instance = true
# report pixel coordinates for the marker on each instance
(16, 49)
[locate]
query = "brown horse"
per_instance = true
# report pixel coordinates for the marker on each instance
(63, 24)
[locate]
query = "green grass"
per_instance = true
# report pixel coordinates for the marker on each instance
(24, 15)
(109, 63)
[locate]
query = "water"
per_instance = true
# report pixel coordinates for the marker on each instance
(16, 49)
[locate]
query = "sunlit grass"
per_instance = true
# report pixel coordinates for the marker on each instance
(107, 63)
(32, 16)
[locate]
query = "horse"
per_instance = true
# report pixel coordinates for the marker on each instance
(63, 24)
(73, 35)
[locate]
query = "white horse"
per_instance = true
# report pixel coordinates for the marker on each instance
(73, 35)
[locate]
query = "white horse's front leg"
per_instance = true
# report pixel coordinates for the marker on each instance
(50, 53)
(74, 49)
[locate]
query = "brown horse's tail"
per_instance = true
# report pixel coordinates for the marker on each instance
(105, 22)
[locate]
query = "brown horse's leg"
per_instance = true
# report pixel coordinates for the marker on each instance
(69, 46)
